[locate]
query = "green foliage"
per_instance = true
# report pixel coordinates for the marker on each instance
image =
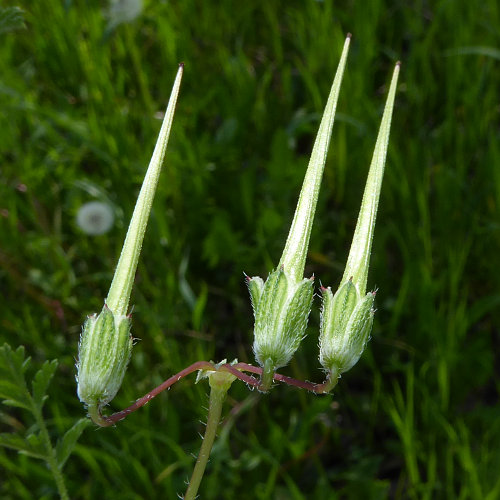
(417, 417)
(11, 18)
(35, 441)
(67, 443)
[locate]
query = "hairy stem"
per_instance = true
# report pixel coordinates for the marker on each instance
(105, 421)
(218, 393)
(237, 370)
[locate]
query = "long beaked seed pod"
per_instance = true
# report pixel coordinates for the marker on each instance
(347, 316)
(105, 343)
(282, 304)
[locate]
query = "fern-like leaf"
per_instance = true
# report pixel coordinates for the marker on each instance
(67, 443)
(13, 389)
(41, 382)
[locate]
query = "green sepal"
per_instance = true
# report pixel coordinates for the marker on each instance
(359, 329)
(281, 318)
(298, 312)
(346, 323)
(343, 304)
(255, 287)
(272, 300)
(103, 356)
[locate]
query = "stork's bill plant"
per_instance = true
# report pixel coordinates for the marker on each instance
(281, 303)
(106, 342)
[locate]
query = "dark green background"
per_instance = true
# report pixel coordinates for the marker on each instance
(418, 416)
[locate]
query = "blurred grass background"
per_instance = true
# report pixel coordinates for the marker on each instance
(82, 88)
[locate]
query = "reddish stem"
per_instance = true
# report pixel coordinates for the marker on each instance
(310, 386)
(236, 369)
(248, 368)
(120, 415)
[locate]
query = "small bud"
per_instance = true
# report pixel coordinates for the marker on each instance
(347, 316)
(104, 353)
(282, 304)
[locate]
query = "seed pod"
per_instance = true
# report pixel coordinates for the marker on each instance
(105, 343)
(347, 316)
(282, 304)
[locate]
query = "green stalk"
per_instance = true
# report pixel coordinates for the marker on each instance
(266, 380)
(51, 455)
(94, 412)
(220, 382)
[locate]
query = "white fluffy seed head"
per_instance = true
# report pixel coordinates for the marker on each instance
(95, 218)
